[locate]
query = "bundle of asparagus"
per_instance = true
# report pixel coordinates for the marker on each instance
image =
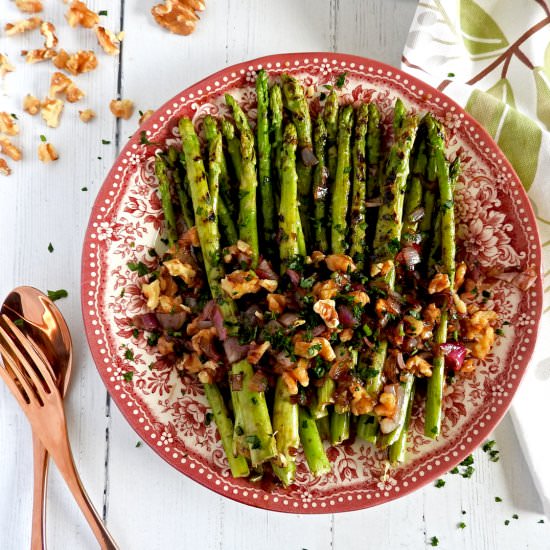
(365, 304)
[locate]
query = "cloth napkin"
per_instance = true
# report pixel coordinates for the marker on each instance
(493, 58)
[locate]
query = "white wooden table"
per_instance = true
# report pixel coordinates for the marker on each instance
(146, 503)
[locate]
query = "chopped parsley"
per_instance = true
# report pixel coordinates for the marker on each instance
(43, 138)
(440, 483)
(494, 454)
(105, 142)
(507, 522)
(84, 189)
(54, 295)
(135, 333)
(208, 418)
(540, 521)
(13, 115)
(102, 12)
(499, 332)
(515, 516)
(454, 470)
(129, 354)
(498, 499)
(451, 75)
(138, 444)
(50, 248)
(128, 376)
(434, 541)
(19, 322)
(153, 338)
(143, 138)
(461, 525)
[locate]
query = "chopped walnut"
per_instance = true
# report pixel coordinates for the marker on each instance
(29, 6)
(418, 366)
(206, 375)
(79, 14)
(431, 314)
(239, 283)
(190, 238)
(340, 262)
(5, 170)
(202, 340)
(37, 56)
(326, 309)
(76, 63)
(241, 251)
(8, 125)
(346, 335)
(47, 30)
(59, 84)
(459, 304)
(276, 303)
(152, 292)
(361, 402)
(190, 362)
(317, 256)
(23, 25)
(122, 108)
(51, 109)
(256, 352)
(359, 297)
(439, 283)
(468, 366)
(5, 66)
(479, 329)
(383, 306)
(31, 104)
(412, 326)
(169, 304)
(86, 115)
(47, 152)
(381, 268)
(175, 16)
(460, 274)
(9, 149)
(326, 290)
(297, 374)
(186, 271)
(165, 346)
(317, 346)
(144, 116)
(107, 40)
(387, 405)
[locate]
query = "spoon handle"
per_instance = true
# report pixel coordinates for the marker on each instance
(40, 460)
(63, 458)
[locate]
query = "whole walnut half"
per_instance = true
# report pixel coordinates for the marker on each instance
(178, 16)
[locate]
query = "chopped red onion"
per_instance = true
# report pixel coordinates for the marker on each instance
(374, 203)
(147, 321)
(172, 321)
(308, 158)
(401, 361)
(258, 382)
(236, 381)
(416, 215)
(318, 330)
(455, 354)
(288, 319)
(410, 256)
(265, 271)
(217, 319)
(233, 350)
(523, 280)
(294, 276)
(345, 316)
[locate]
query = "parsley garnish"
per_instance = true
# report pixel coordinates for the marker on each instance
(54, 295)
(129, 354)
(152, 339)
(461, 525)
(105, 142)
(102, 12)
(138, 444)
(13, 115)
(84, 189)
(515, 516)
(341, 80)
(208, 418)
(43, 138)
(50, 248)
(540, 521)
(140, 267)
(498, 499)
(128, 376)
(19, 322)
(143, 139)
(393, 246)
(434, 541)
(451, 75)
(507, 522)
(440, 483)
(135, 333)
(499, 332)
(454, 470)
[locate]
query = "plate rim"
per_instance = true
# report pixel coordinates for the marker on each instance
(102, 194)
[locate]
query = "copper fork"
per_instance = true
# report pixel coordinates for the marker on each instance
(29, 377)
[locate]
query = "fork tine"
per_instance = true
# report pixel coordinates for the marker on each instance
(23, 361)
(9, 379)
(27, 344)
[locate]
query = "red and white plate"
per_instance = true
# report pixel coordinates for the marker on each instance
(495, 224)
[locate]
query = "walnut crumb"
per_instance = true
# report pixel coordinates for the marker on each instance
(76, 63)
(31, 104)
(5, 170)
(23, 25)
(79, 14)
(62, 84)
(122, 108)
(144, 116)
(47, 152)
(176, 16)
(51, 109)
(29, 6)
(8, 125)
(47, 30)
(86, 115)
(39, 55)
(5, 66)
(107, 40)
(9, 149)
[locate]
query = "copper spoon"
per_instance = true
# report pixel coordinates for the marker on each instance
(44, 324)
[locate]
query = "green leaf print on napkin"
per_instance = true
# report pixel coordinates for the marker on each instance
(480, 33)
(502, 90)
(542, 82)
(517, 135)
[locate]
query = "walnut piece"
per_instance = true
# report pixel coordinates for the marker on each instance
(276, 303)
(31, 104)
(8, 125)
(23, 25)
(86, 115)
(439, 283)
(326, 290)
(5, 66)
(5, 170)
(256, 352)
(76, 63)
(176, 16)
(418, 366)
(326, 309)
(122, 108)
(79, 14)
(144, 116)
(9, 149)
(62, 84)
(29, 6)
(47, 30)
(107, 40)
(39, 55)
(340, 262)
(47, 152)
(51, 109)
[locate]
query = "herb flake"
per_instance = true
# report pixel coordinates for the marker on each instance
(54, 295)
